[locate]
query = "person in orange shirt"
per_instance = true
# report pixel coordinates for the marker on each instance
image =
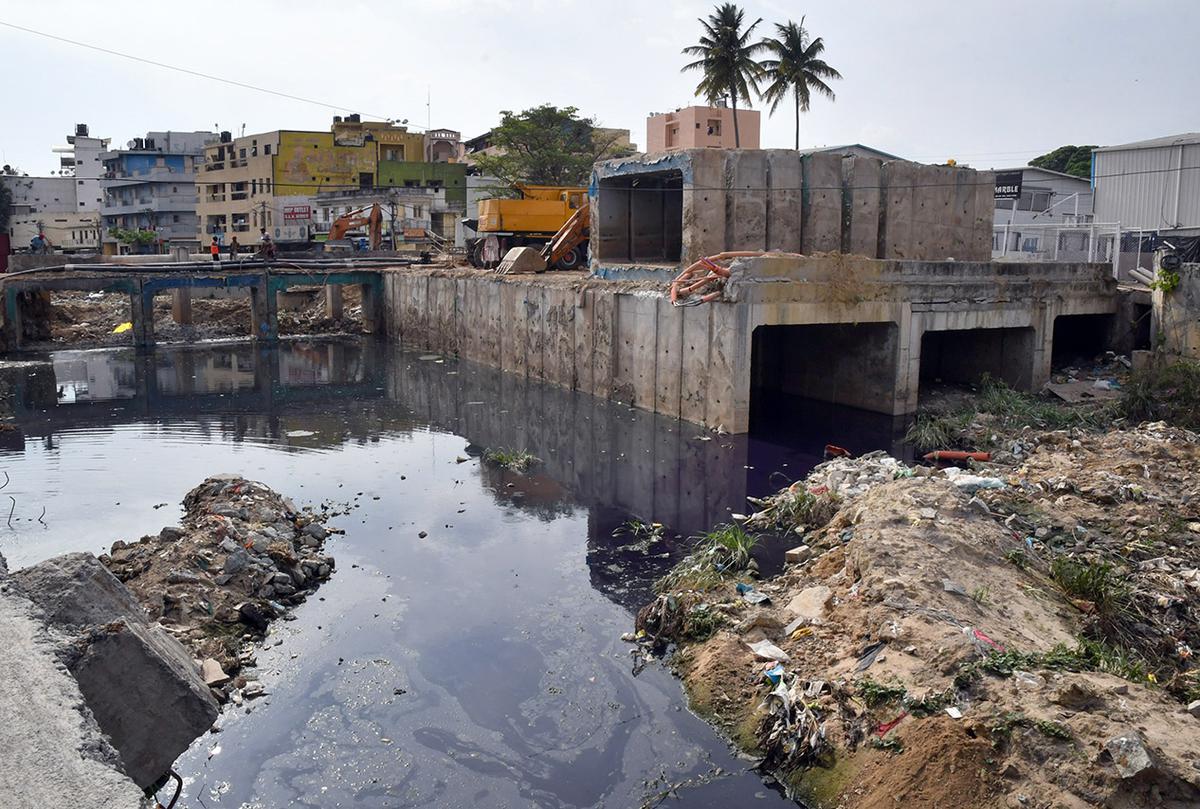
(215, 249)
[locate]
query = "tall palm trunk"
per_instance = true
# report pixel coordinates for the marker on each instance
(737, 138)
(797, 121)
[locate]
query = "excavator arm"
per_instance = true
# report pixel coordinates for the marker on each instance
(373, 221)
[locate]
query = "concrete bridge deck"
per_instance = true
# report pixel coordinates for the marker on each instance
(264, 285)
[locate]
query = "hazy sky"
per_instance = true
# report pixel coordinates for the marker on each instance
(991, 84)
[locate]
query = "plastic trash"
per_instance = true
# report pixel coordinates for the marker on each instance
(769, 651)
(122, 327)
(775, 673)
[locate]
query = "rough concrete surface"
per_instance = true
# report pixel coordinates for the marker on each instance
(54, 753)
(142, 686)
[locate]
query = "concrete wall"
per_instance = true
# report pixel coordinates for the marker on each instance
(626, 342)
(1176, 315)
(779, 199)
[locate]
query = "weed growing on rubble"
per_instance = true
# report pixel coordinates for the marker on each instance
(1016, 409)
(874, 693)
(720, 552)
(512, 459)
(799, 508)
(930, 431)
(1097, 583)
(1088, 655)
(1169, 393)
(1007, 722)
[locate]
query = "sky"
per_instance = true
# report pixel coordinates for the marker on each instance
(988, 84)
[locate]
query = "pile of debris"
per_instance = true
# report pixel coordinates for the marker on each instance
(243, 557)
(926, 648)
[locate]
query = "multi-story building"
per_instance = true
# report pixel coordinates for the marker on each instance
(151, 186)
(65, 208)
(444, 146)
(702, 128)
(284, 180)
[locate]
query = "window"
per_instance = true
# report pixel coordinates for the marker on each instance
(81, 182)
(254, 186)
(174, 189)
(267, 148)
(714, 127)
(242, 154)
(254, 151)
(175, 217)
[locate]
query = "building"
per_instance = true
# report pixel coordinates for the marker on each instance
(151, 186)
(1048, 219)
(277, 180)
(701, 128)
(64, 207)
(1150, 185)
(444, 146)
(410, 214)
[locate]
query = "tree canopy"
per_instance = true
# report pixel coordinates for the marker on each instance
(547, 145)
(725, 58)
(1075, 160)
(796, 67)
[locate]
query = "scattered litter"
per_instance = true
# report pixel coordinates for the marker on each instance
(299, 433)
(769, 651)
(953, 713)
(122, 327)
(868, 655)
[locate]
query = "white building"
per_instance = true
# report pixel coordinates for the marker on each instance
(1150, 185)
(65, 207)
(1049, 220)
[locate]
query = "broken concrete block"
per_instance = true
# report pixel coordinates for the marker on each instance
(1194, 708)
(810, 603)
(75, 590)
(212, 673)
(521, 260)
(1129, 754)
(146, 694)
(796, 556)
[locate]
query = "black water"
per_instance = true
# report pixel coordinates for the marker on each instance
(479, 666)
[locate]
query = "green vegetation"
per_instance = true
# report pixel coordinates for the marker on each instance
(548, 145)
(134, 236)
(874, 693)
(1002, 729)
(725, 57)
(1169, 393)
(1098, 583)
(930, 432)
(1088, 655)
(1165, 281)
(797, 509)
(797, 68)
(514, 460)
(721, 552)
(1075, 160)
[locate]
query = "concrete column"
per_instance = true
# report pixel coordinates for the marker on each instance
(1042, 319)
(13, 336)
(372, 307)
(181, 306)
(141, 315)
(264, 313)
(333, 301)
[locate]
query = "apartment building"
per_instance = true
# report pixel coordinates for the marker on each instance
(701, 128)
(151, 187)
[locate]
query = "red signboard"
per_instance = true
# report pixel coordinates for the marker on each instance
(296, 213)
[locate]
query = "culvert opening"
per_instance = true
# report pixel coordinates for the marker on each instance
(963, 356)
(853, 365)
(201, 313)
(641, 218)
(101, 317)
(1079, 338)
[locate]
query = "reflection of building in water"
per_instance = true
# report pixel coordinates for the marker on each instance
(88, 376)
(321, 364)
(224, 371)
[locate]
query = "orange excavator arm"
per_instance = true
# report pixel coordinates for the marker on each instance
(355, 219)
(573, 233)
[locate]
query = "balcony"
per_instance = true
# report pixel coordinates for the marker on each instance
(214, 198)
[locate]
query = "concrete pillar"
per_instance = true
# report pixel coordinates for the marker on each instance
(822, 203)
(372, 307)
(181, 306)
(264, 314)
(333, 301)
(13, 331)
(141, 315)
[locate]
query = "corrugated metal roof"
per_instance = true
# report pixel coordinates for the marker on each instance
(1048, 171)
(1154, 143)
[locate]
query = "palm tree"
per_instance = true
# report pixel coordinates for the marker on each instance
(726, 57)
(797, 67)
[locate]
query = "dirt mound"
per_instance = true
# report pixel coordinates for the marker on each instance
(242, 558)
(923, 661)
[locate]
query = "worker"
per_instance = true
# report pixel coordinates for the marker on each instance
(215, 249)
(265, 246)
(234, 247)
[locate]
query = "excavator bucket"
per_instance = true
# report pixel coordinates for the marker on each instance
(522, 259)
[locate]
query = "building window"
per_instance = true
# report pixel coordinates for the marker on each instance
(242, 154)
(254, 186)
(714, 127)
(267, 148)
(175, 217)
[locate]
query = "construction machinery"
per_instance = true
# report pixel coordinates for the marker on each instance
(532, 220)
(370, 217)
(559, 252)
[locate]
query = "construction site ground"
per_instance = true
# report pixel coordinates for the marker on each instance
(1016, 633)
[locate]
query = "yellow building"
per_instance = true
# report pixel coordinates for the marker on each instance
(269, 180)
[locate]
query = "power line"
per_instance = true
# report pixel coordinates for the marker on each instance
(196, 73)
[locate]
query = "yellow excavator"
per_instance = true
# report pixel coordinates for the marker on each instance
(370, 217)
(534, 220)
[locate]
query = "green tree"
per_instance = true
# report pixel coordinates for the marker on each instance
(134, 236)
(797, 67)
(1075, 160)
(548, 145)
(726, 59)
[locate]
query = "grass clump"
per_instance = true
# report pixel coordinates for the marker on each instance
(1007, 722)
(1012, 409)
(796, 509)
(1169, 393)
(930, 431)
(511, 459)
(874, 693)
(721, 552)
(1087, 655)
(1098, 583)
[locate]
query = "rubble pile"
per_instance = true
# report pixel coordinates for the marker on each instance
(242, 558)
(927, 649)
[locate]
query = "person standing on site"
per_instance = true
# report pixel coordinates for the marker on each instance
(265, 246)
(234, 248)
(215, 249)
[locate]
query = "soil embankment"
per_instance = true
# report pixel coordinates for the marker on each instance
(1015, 634)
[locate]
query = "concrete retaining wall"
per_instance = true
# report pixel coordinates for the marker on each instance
(627, 342)
(779, 199)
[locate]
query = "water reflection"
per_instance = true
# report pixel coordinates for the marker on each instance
(477, 666)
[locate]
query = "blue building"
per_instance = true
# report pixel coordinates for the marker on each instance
(151, 187)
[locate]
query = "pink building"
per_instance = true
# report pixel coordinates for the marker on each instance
(701, 128)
